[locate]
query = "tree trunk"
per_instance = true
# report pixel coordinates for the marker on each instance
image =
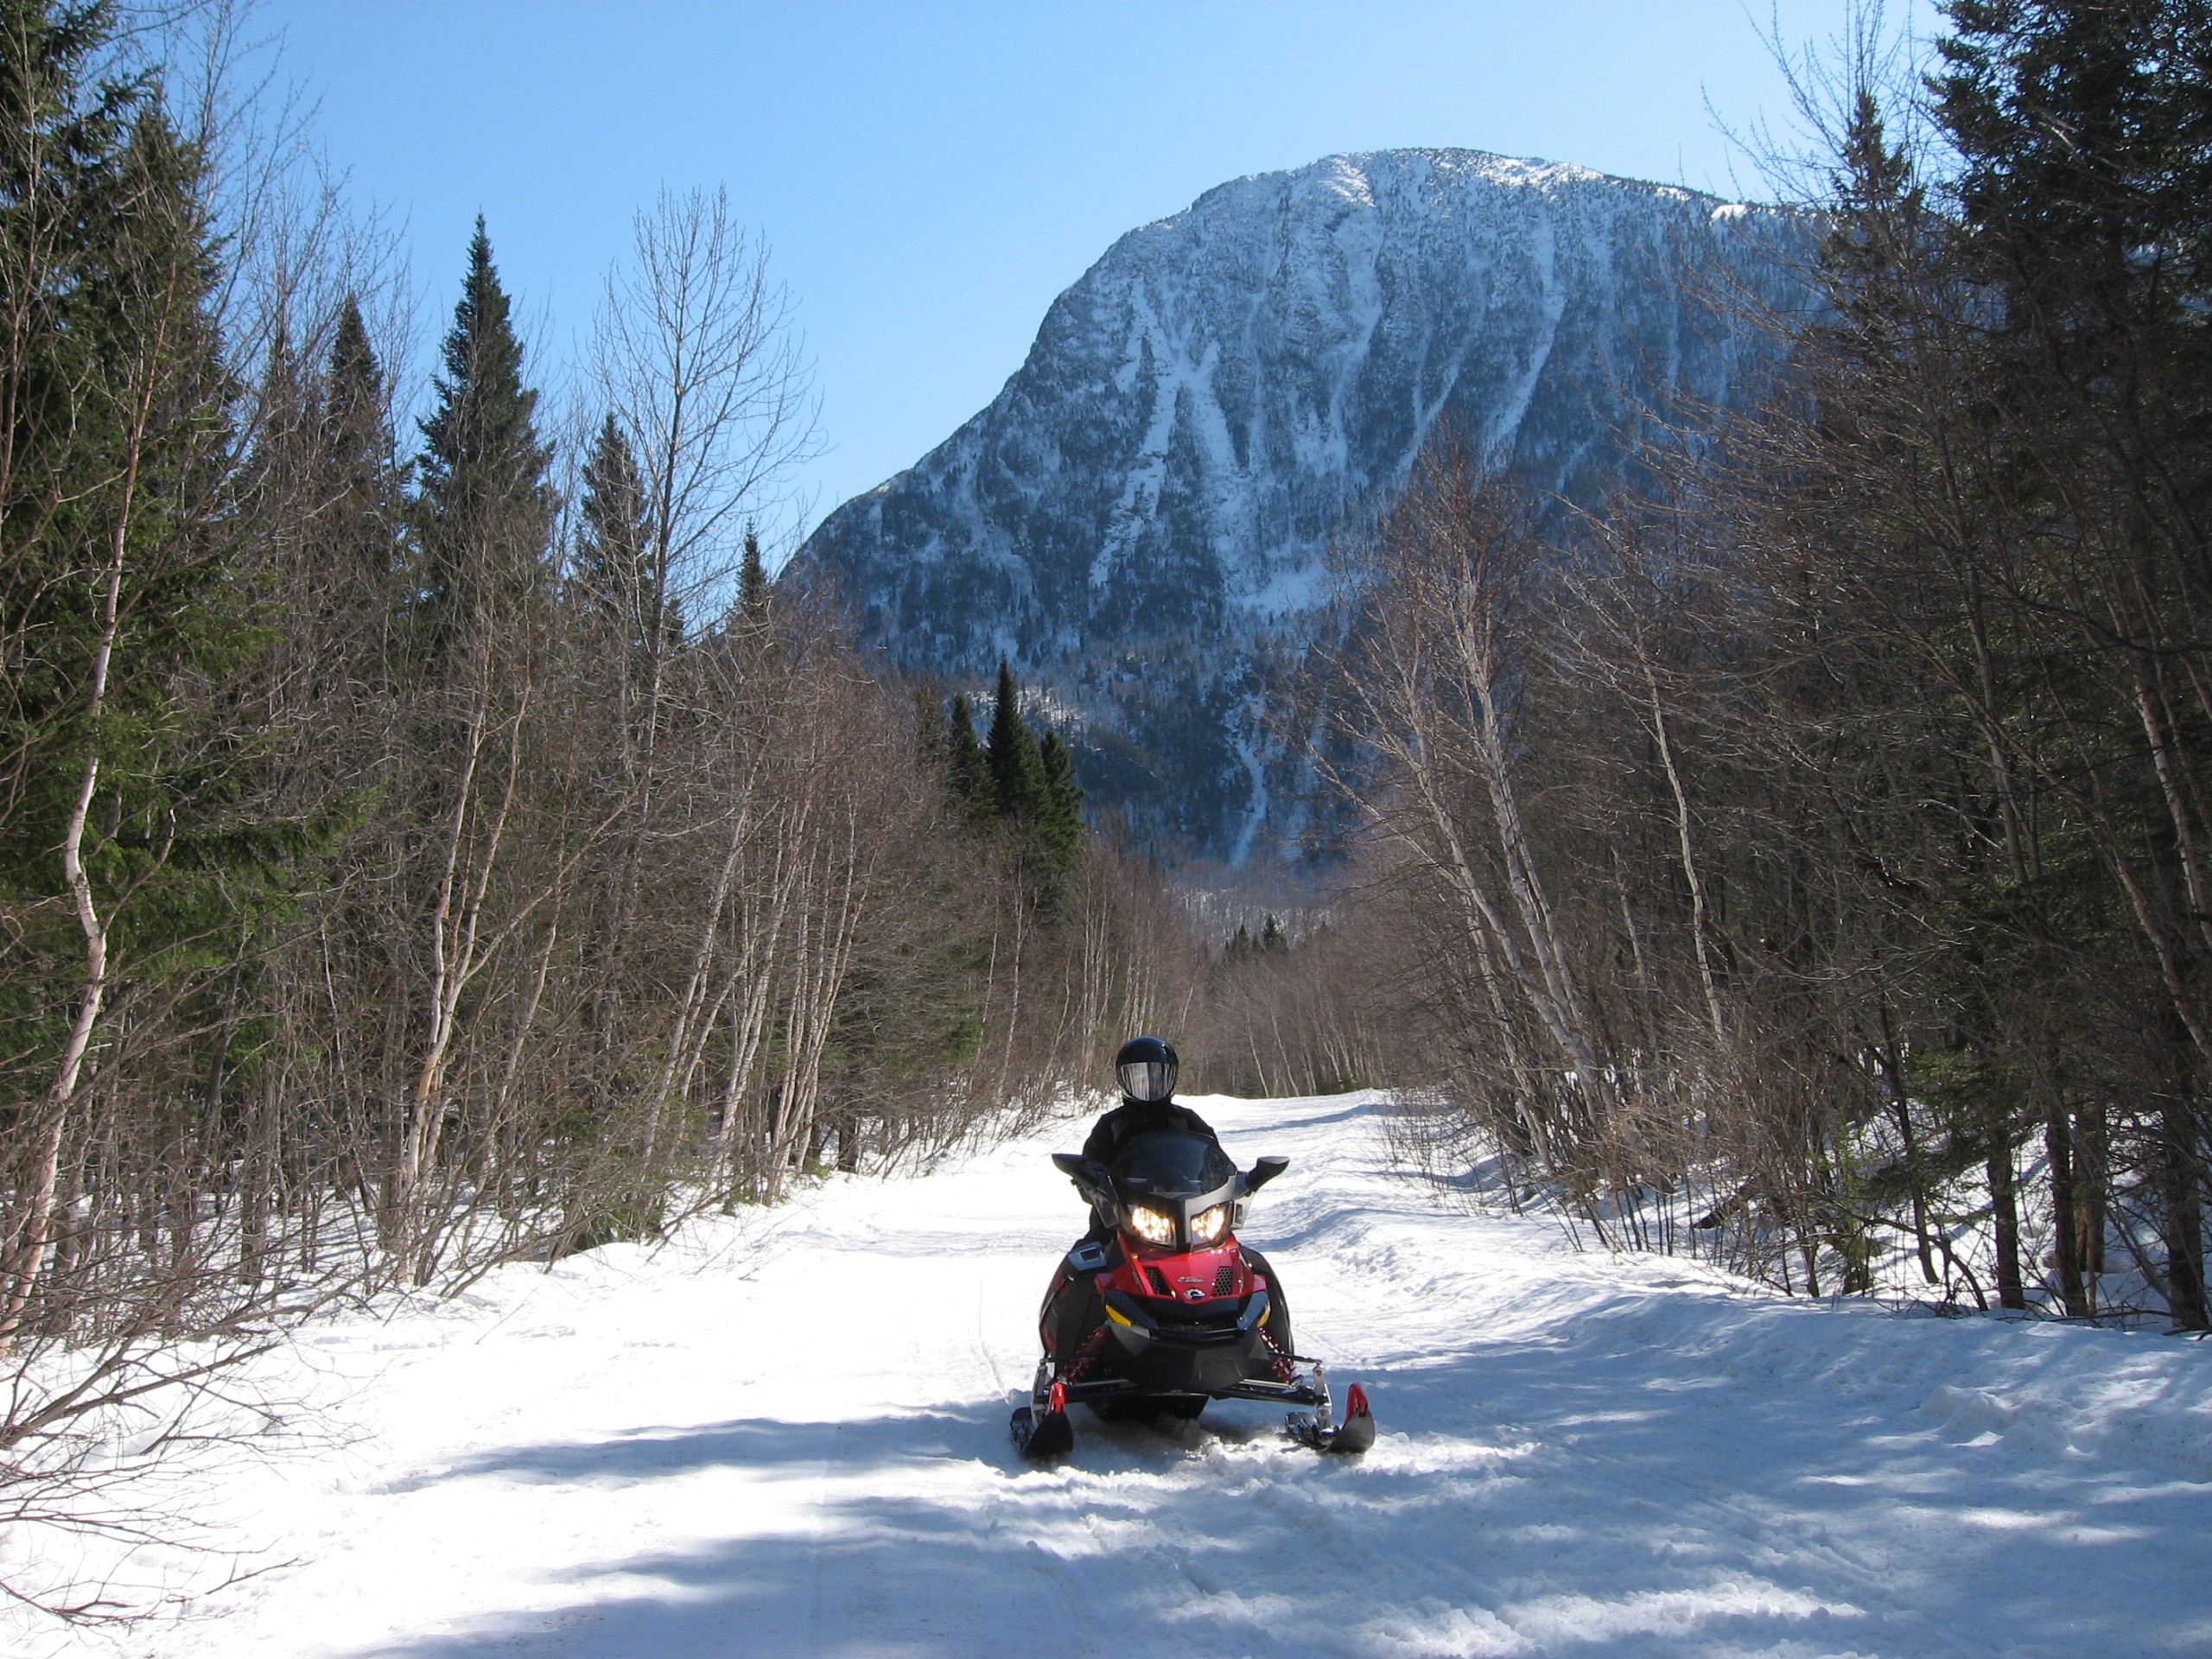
(2004, 1212)
(2065, 1229)
(1901, 1107)
(2180, 1173)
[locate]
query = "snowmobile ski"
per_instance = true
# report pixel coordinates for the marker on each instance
(1039, 1439)
(1349, 1437)
(1041, 1429)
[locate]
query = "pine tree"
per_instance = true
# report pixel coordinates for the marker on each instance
(485, 508)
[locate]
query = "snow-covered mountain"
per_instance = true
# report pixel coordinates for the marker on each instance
(1139, 520)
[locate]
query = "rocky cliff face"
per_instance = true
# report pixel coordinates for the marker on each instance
(1139, 520)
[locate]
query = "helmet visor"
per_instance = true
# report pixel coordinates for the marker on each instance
(1146, 1080)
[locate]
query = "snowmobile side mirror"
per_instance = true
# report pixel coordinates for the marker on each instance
(1263, 1171)
(1069, 1164)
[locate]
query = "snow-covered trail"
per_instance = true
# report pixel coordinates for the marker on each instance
(786, 1436)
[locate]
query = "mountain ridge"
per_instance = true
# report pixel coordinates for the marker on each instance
(1139, 520)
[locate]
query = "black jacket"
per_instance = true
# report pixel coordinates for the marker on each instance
(1134, 1117)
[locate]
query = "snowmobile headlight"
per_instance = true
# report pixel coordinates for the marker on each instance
(1151, 1225)
(1210, 1225)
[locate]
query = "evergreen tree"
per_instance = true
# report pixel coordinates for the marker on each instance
(933, 734)
(752, 581)
(117, 470)
(965, 764)
(2086, 178)
(2084, 191)
(353, 399)
(612, 539)
(132, 847)
(1016, 767)
(485, 508)
(363, 514)
(1030, 787)
(285, 420)
(1059, 808)
(1885, 247)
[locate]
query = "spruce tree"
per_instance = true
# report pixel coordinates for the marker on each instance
(284, 419)
(612, 543)
(932, 734)
(135, 853)
(353, 398)
(1884, 245)
(752, 581)
(1059, 808)
(965, 765)
(112, 373)
(2084, 189)
(486, 510)
(363, 531)
(1016, 767)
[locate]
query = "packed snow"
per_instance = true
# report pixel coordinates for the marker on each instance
(784, 1434)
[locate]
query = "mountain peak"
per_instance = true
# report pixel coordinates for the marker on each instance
(1139, 520)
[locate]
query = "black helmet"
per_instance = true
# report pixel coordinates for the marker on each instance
(1146, 1069)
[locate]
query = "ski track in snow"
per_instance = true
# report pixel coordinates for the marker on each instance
(786, 1435)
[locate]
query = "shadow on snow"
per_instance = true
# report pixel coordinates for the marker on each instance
(1624, 1489)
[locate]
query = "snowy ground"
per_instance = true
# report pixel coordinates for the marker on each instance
(787, 1436)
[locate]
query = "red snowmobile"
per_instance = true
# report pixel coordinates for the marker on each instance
(1161, 1310)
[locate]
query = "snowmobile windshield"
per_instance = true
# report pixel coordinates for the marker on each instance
(1172, 1165)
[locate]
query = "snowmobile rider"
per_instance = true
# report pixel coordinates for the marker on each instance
(1145, 1068)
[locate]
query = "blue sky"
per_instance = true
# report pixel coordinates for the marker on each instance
(929, 174)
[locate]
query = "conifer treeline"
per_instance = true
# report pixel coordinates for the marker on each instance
(408, 858)
(1012, 780)
(1806, 857)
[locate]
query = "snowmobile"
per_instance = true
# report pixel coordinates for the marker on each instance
(1159, 1309)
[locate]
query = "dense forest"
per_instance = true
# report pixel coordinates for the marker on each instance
(1805, 856)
